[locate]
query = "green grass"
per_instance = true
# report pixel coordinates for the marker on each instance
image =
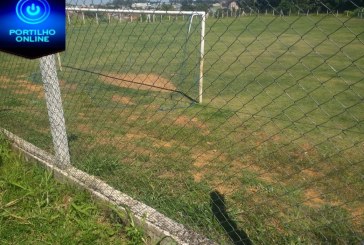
(35, 209)
(279, 134)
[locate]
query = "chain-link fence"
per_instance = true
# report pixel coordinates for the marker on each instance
(244, 124)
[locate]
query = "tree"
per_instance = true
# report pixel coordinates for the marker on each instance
(202, 7)
(296, 5)
(187, 5)
(260, 5)
(122, 3)
(339, 5)
(166, 7)
(286, 6)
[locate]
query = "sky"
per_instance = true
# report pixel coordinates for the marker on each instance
(86, 2)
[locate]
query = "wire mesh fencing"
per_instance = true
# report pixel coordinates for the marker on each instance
(249, 130)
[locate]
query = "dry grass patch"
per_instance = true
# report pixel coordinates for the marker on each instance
(267, 176)
(311, 173)
(313, 198)
(167, 175)
(203, 158)
(68, 86)
(22, 87)
(192, 123)
(122, 100)
(161, 143)
(4, 79)
(150, 82)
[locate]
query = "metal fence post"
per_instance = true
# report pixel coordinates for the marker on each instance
(55, 110)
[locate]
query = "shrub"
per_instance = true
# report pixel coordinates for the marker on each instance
(359, 12)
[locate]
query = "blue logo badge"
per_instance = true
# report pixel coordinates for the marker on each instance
(33, 11)
(32, 28)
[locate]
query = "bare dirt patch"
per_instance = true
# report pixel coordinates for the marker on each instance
(359, 211)
(83, 116)
(139, 81)
(26, 87)
(161, 143)
(224, 184)
(133, 117)
(313, 198)
(192, 123)
(122, 99)
(21, 87)
(306, 151)
(225, 189)
(276, 224)
(311, 173)
(135, 136)
(4, 79)
(204, 158)
(253, 189)
(358, 215)
(198, 176)
(201, 160)
(68, 86)
(261, 173)
(167, 175)
(84, 128)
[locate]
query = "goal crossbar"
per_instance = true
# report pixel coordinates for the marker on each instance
(136, 11)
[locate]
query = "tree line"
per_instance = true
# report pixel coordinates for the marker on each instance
(258, 5)
(302, 5)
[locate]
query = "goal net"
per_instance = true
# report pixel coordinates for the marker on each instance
(150, 56)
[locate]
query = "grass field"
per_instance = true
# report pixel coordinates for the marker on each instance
(279, 135)
(35, 209)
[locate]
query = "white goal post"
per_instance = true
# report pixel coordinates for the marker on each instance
(201, 14)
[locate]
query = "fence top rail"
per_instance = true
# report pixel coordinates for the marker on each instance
(136, 11)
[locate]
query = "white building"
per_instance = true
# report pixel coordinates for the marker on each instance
(233, 6)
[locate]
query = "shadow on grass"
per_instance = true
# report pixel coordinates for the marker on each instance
(218, 208)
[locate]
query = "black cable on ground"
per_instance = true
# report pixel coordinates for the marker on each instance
(124, 80)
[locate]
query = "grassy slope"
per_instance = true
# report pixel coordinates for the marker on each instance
(35, 209)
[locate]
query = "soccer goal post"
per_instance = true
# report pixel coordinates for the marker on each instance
(132, 43)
